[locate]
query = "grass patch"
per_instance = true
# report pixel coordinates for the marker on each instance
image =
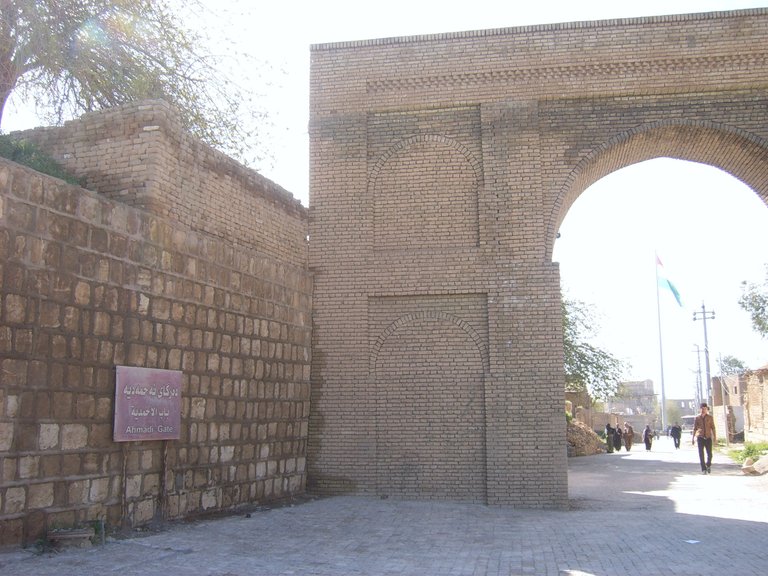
(751, 450)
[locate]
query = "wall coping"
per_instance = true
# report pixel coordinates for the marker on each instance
(443, 36)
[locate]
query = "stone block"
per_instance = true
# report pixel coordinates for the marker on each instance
(49, 436)
(209, 499)
(15, 500)
(133, 486)
(74, 436)
(12, 532)
(226, 453)
(99, 490)
(28, 467)
(6, 436)
(755, 467)
(151, 484)
(143, 511)
(77, 492)
(40, 495)
(71, 464)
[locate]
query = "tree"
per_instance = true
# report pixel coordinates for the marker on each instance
(672, 412)
(587, 367)
(76, 56)
(732, 365)
(754, 300)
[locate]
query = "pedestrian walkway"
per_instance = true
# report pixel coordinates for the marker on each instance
(638, 513)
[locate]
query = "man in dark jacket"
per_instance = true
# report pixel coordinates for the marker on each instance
(676, 432)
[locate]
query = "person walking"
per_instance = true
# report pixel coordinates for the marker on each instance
(648, 437)
(704, 434)
(617, 438)
(676, 432)
(629, 435)
(609, 438)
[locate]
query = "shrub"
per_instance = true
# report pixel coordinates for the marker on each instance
(27, 154)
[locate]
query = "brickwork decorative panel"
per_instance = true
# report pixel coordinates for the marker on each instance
(426, 164)
(428, 369)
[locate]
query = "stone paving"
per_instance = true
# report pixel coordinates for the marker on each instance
(638, 513)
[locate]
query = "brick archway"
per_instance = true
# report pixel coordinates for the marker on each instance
(742, 154)
(442, 167)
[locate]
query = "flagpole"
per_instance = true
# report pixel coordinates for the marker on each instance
(661, 350)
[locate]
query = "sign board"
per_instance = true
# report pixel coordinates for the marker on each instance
(147, 404)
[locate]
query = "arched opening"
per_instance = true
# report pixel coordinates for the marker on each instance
(739, 153)
(707, 226)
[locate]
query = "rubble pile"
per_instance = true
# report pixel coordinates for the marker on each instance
(582, 440)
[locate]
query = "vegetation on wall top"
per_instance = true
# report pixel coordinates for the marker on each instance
(27, 154)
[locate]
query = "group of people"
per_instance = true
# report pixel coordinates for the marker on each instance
(615, 437)
(703, 434)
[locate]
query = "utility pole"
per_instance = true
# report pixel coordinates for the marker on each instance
(710, 315)
(706, 315)
(699, 395)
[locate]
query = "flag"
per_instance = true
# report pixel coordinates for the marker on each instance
(664, 282)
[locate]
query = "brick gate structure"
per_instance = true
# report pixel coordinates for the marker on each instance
(441, 169)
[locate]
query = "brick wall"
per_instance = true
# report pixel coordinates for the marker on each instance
(441, 169)
(756, 406)
(88, 282)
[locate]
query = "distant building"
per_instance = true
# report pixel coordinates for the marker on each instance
(732, 387)
(635, 403)
(687, 406)
(634, 398)
(729, 391)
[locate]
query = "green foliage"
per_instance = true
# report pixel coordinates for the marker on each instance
(587, 367)
(754, 300)
(672, 412)
(732, 365)
(752, 450)
(568, 417)
(75, 56)
(27, 154)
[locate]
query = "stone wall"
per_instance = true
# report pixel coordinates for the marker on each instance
(442, 167)
(88, 283)
(140, 155)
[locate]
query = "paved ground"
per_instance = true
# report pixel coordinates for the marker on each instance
(639, 513)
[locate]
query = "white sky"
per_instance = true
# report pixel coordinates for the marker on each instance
(707, 227)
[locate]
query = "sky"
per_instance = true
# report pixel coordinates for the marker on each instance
(705, 225)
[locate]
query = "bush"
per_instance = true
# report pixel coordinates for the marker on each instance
(27, 154)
